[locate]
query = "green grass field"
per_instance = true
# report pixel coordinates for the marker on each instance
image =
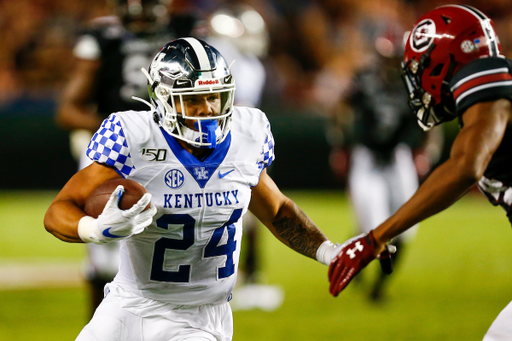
(453, 281)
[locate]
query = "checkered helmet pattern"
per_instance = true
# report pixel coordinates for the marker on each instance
(109, 146)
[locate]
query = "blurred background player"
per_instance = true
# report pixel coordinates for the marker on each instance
(374, 136)
(109, 55)
(240, 33)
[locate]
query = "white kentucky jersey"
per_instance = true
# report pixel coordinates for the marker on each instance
(189, 254)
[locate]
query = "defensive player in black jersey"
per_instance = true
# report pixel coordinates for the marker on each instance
(110, 52)
(453, 68)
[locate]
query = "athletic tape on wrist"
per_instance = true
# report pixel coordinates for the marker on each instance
(324, 252)
(86, 227)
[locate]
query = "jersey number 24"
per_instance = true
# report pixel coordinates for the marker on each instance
(212, 249)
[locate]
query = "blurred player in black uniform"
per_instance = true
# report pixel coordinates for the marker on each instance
(380, 137)
(453, 68)
(110, 54)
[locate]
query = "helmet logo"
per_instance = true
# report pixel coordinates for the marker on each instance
(208, 82)
(467, 46)
(423, 35)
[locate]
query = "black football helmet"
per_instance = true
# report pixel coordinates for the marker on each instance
(142, 15)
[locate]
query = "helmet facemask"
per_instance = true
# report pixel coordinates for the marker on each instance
(422, 103)
(208, 131)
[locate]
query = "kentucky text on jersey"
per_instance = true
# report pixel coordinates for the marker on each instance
(193, 200)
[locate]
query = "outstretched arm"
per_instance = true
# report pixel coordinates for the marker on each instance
(284, 218)
(472, 150)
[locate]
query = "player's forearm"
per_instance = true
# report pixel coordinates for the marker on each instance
(61, 220)
(447, 184)
(294, 228)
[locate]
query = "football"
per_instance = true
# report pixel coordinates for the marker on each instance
(97, 200)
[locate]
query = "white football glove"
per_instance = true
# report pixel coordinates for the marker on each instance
(114, 223)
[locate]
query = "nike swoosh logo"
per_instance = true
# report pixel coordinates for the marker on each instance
(108, 234)
(223, 175)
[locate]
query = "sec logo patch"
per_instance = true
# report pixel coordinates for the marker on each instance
(467, 46)
(174, 178)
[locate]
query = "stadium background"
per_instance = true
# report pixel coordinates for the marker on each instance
(36, 60)
(450, 289)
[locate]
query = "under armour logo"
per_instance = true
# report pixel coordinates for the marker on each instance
(352, 252)
(201, 173)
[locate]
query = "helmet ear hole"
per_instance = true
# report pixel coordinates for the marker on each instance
(436, 71)
(156, 118)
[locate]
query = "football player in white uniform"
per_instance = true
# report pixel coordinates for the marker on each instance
(453, 68)
(203, 162)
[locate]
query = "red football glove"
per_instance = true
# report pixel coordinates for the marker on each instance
(353, 257)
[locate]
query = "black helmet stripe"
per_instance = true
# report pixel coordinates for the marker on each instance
(201, 56)
(475, 12)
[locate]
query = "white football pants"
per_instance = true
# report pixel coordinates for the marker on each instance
(129, 317)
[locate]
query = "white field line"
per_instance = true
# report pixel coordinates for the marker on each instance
(26, 275)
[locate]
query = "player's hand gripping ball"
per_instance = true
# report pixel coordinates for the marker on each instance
(117, 209)
(133, 192)
(354, 256)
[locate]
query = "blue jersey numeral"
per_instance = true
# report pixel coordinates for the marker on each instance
(157, 269)
(212, 249)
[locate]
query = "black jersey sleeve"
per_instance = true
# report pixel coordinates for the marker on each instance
(482, 80)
